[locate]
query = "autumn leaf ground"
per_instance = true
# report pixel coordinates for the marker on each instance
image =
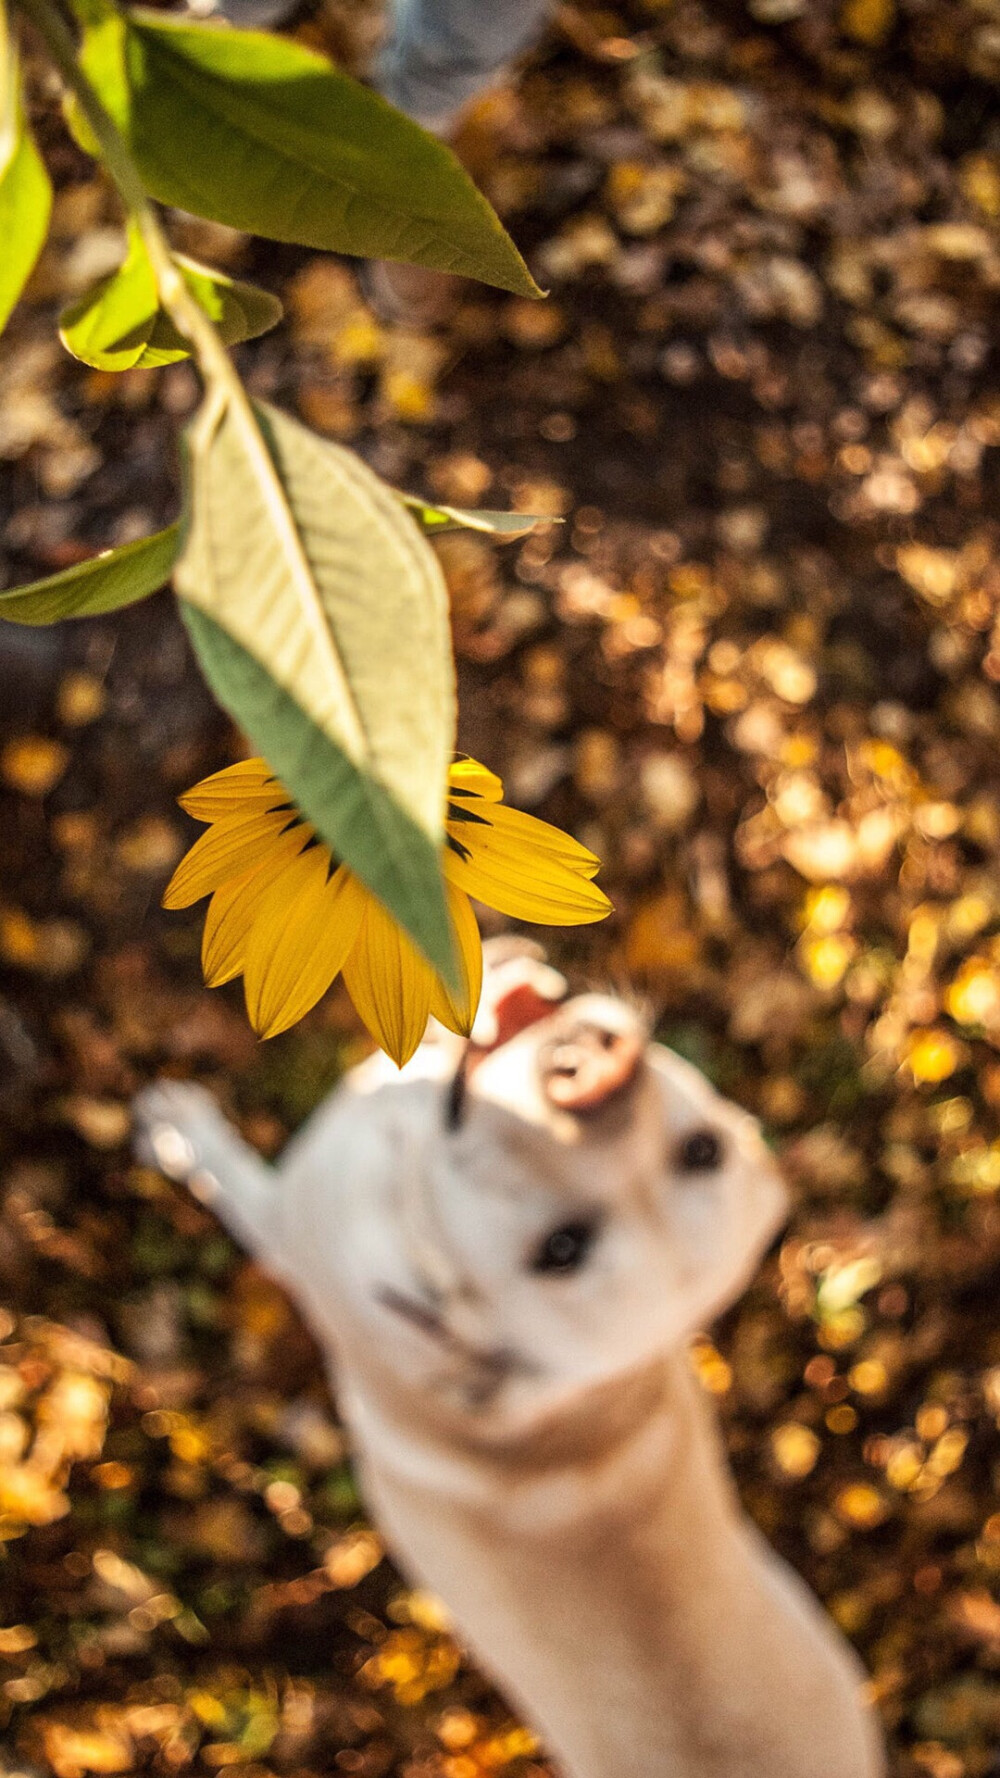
(756, 669)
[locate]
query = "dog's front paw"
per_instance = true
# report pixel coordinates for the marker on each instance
(174, 1122)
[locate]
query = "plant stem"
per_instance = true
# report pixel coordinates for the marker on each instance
(225, 394)
(186, 313)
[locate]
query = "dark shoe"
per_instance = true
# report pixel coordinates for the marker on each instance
(408, 295)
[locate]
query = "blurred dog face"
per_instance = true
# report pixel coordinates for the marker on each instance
(577, 1201)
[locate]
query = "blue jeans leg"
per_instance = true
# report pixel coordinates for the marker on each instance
(441, 53)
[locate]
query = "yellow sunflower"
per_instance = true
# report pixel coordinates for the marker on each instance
(288, 918)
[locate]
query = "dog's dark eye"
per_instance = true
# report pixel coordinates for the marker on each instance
(701, 1152)
(565, 1248)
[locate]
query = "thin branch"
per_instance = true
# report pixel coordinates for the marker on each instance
(226, 396)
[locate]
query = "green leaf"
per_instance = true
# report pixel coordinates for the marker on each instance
(109, 326)
(78, 127)
(25, 188)
(241, 311)
(504, 525)
(102, 58)
(107, 582)
(320, 616)
(268, 136)
(119, 324)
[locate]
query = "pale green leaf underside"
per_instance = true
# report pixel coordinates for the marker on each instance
(265, 135)
(359, 819)
(105, 583)
(119, 324)
(504, 525)
(25, 207)
(325, 582)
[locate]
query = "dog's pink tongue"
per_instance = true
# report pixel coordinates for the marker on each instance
(520, 1007)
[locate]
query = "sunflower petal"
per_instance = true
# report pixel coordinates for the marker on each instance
(250, 784)
(458, 1011)
(390, 983)
(545, 891)
(306, 924)
(467, 774)
(234, 908)
(230, 848)
(279, 916)
(510, 833)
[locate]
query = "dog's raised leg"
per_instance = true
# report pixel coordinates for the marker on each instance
(180, 1129)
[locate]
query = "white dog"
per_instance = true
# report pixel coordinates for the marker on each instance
(503, 1253)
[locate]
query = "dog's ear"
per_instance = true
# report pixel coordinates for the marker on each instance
(724, 1198)
(721, 1240)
